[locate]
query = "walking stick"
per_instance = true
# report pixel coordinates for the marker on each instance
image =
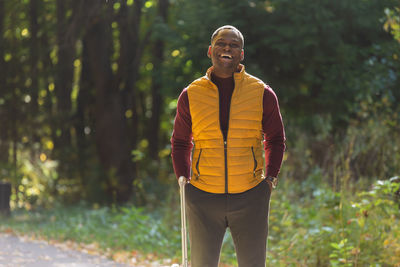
(182, 183)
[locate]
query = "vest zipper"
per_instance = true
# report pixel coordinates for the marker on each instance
(226, 137)
(255, 162)
(226, 142)
(226, 165)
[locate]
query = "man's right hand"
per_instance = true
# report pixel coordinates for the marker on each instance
(272, 182)
(270, 185)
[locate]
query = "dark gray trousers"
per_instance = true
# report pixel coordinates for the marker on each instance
(246, 214)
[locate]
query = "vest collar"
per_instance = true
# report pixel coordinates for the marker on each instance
(237, 75)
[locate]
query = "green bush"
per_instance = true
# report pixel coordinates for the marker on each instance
(327, 228)
(310, 225)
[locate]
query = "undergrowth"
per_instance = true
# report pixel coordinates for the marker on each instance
(327, 228)
(310, 225)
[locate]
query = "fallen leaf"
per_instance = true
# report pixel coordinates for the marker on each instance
(121, 256)
(9, 231)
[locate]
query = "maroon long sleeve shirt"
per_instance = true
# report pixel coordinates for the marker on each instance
(272, 126)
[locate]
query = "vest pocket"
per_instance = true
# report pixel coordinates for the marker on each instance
(197, 165)
(255, 162)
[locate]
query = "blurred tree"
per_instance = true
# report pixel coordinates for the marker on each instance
(66, 54)
(317, 52)
(157, 80)
(84, 124)
(314, 54)
(4, 132)
(93, 84)
(111, 131)
(34, 58)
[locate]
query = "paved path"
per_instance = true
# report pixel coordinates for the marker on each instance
(20, 252)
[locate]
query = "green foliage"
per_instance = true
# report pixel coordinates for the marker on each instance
(331, 63)
(335, 229)
(368, 149)
(153, 234)
(315, 55)
(392, 23)
(310, 225)
(127, 228)
(341, 252)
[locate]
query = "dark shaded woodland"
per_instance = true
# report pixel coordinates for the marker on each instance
(88, 89)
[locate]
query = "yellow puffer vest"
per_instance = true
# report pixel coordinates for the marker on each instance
(236, 165)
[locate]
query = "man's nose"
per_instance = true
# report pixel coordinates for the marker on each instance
(227, 47)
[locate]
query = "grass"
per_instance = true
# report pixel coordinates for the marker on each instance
(109, 230)
(310, 225)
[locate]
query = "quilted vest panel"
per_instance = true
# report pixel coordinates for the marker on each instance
(239, 165)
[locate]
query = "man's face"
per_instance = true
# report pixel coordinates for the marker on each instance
(226, 52)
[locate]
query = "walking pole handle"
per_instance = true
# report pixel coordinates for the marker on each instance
(182, 181)
(182, 184)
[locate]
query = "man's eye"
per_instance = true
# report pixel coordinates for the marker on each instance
(234, 45)
(220, 44)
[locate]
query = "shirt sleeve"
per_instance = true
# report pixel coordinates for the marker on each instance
(274, 133)
(181, 140)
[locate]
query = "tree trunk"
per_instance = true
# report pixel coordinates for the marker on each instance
(34, 73)
(64, 81)
(131, 52)
(48, 68)
(4, 134)
(136, 46)
(34, 27)
(157, 83)
(84, 119)
(111, 132)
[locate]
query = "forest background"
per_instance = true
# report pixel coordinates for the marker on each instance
(88, 93)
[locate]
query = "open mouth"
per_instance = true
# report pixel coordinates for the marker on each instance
(226, 56)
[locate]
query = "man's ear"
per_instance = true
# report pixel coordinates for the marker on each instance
(242, 55)
(209, 51)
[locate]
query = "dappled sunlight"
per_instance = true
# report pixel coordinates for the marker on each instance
(89, 93)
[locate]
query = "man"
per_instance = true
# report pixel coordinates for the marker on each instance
(227, 114)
